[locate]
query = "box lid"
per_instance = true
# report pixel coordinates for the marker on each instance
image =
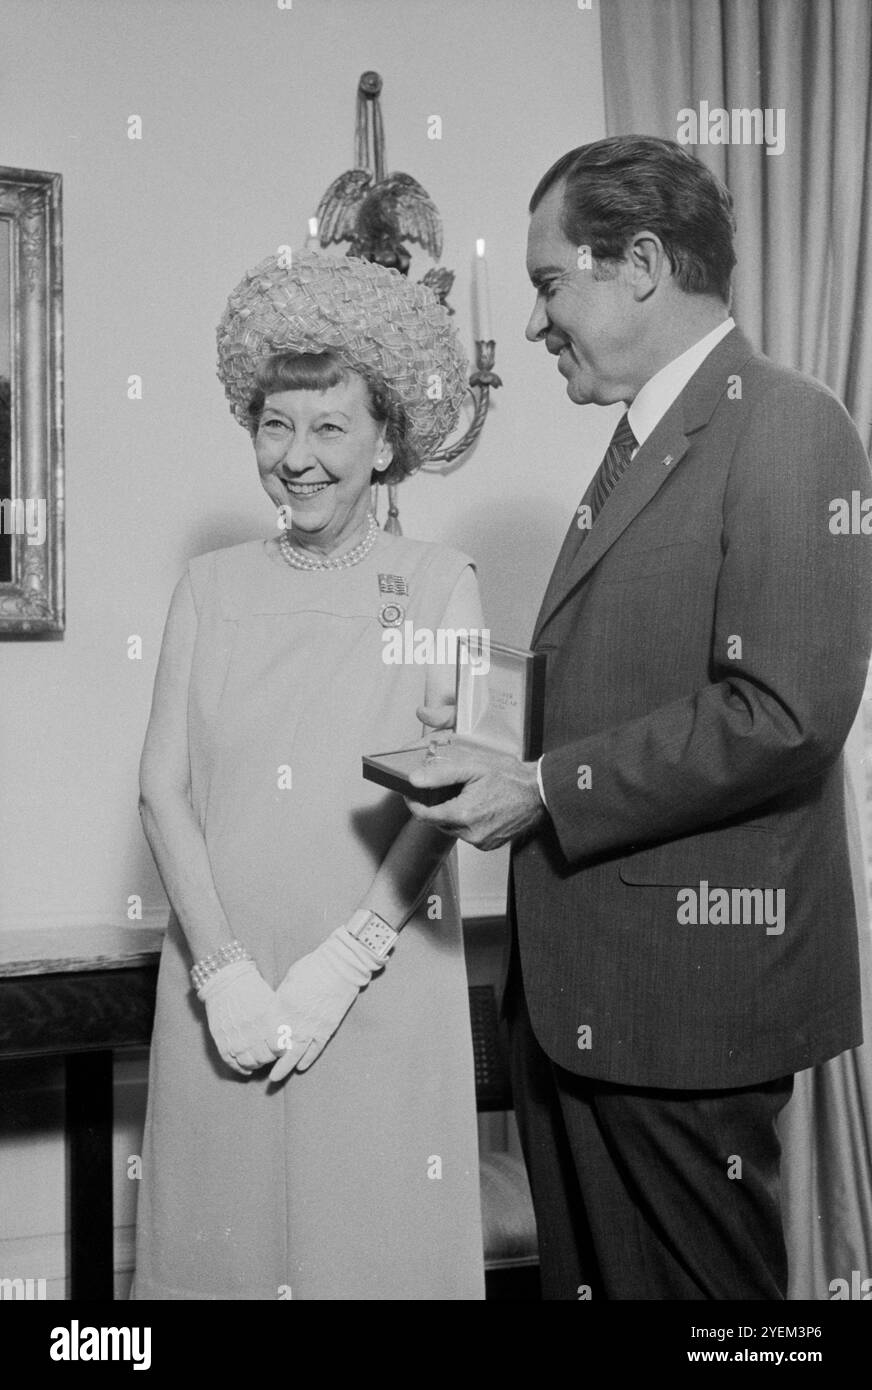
(497, 693)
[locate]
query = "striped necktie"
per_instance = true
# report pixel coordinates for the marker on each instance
(622, 444)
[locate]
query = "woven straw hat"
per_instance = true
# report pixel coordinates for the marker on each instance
(377, 322)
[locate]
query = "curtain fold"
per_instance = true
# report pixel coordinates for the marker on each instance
(827, 1187)
(803, 294)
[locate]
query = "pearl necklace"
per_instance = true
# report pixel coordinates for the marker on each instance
(301, 561)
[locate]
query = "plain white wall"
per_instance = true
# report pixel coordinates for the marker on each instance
(248, 112)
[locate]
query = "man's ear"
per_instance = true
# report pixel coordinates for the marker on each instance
(647, 262)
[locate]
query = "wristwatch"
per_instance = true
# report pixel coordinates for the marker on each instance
(372, 932)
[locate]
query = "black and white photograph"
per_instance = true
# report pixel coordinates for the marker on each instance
(435, 629)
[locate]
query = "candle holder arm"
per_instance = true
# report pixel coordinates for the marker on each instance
(481, 382)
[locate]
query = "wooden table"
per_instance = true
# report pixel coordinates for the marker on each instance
(81, 994)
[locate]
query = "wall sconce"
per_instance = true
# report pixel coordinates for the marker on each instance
(377, 213)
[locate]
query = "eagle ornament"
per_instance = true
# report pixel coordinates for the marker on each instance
(377, 212)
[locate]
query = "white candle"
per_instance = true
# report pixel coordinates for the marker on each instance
(482, 294)
(312, 239)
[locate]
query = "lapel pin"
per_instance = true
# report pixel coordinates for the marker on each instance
(667, 460)
(391, 615)
(392, 584)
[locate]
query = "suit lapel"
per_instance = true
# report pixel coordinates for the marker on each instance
(571, 543)
(657, 458)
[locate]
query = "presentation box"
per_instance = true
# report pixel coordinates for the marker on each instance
(500, 693)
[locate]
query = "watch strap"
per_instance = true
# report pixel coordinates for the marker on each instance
(372, 931)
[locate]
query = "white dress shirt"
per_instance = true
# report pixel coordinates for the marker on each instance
(652, 403)
(665, 386)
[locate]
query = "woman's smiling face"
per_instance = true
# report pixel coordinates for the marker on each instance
(316, 451)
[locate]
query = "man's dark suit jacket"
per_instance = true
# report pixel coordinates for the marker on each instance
(712, 761)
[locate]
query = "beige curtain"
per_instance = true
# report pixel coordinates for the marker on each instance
(803, 293)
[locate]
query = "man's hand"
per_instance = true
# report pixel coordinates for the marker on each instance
(500, 799)
(438, 716)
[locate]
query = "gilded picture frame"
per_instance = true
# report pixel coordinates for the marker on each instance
(31, 404)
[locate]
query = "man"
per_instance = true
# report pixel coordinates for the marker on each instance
(683, 929)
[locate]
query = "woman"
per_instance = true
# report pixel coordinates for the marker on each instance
(311, 1127)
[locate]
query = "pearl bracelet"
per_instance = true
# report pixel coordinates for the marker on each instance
(210, 965)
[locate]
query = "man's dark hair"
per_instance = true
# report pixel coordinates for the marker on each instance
(628, 183)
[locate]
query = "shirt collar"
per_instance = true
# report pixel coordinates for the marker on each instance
(665, 386)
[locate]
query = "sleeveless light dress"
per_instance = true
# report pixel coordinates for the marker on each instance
(357, 1179)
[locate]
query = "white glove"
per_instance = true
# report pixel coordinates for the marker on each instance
(317, 993)
(244, 1016)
